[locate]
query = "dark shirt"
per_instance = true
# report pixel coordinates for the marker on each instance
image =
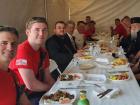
(59, 51)
(134, 45)
(72, 46)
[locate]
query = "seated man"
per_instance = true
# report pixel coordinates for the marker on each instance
(31, 62)
(70, 39)
(10, 91)
(79, 34)
(134, 45)
(57, 47)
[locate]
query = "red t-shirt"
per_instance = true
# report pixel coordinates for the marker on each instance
(27, 58)
(7, 89)
(120, 30)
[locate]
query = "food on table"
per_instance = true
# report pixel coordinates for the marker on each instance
(119, 61)
(119, 76)
(86, 57)
(86, 66)
(69, 77)
(61, 97)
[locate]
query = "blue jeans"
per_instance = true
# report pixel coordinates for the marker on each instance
(35, 97)
(35, 100)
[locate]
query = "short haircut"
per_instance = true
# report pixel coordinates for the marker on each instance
(88, 17)
(125, 17)
(117, 19)
(33, 20)
(61, 22)
(70, 22)
(79, 22)
(9, 29)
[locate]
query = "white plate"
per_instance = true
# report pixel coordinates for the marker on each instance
(72, 83)
(87, 66)
(50, 102)
(94, 78)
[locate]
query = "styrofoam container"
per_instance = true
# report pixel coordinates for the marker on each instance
(72, 83)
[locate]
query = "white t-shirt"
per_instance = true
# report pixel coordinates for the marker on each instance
(79, 39)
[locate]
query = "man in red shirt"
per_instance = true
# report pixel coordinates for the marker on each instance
(9, 89)
(119, 29)
(30, 60)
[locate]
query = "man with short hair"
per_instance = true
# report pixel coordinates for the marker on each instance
(10, 91)
(70, 39)
(79, 34)
(57, 48)
(31, 60)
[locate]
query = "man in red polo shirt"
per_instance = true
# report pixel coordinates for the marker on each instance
(30, 60)
(9, 89)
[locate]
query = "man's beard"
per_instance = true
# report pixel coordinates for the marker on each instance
(134, 35)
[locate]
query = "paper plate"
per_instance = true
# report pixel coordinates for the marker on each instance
(77, 78)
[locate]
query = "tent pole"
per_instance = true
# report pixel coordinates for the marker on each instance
(45, 7)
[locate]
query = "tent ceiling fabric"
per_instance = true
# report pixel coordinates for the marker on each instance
(103, 12)
(16, 12)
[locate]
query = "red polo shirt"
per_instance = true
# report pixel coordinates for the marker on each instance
(27, 58)
(7, 89)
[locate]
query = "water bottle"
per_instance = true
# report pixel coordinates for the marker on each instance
(90, 49)
(83, 99)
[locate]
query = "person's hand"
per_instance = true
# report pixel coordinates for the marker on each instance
(137, 55)
(78, 54)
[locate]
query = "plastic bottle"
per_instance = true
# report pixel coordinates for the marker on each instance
(91, 49)
(83, 99)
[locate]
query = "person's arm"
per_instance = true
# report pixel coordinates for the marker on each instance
(48, 78)
(135, 68)
(31, 81)
(24, 100)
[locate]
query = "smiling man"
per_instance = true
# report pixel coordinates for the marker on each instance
(31, 60)
(9, 88)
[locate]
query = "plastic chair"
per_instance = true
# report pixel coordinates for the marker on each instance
(53, 66)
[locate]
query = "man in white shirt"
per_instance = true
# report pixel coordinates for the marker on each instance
(78, 34)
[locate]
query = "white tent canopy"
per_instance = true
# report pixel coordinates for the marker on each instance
(16, 12)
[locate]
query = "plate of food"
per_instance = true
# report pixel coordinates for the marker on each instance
(60, 97)
(120, 63)
(94, 78)
(119, 76)
(85, 58)
(70, 79)
(87, 66)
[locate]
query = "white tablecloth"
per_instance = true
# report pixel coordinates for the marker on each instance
(130, 90)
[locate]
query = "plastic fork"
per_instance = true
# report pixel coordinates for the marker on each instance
(102, 94)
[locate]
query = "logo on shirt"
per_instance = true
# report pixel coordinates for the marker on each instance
(21, 62)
